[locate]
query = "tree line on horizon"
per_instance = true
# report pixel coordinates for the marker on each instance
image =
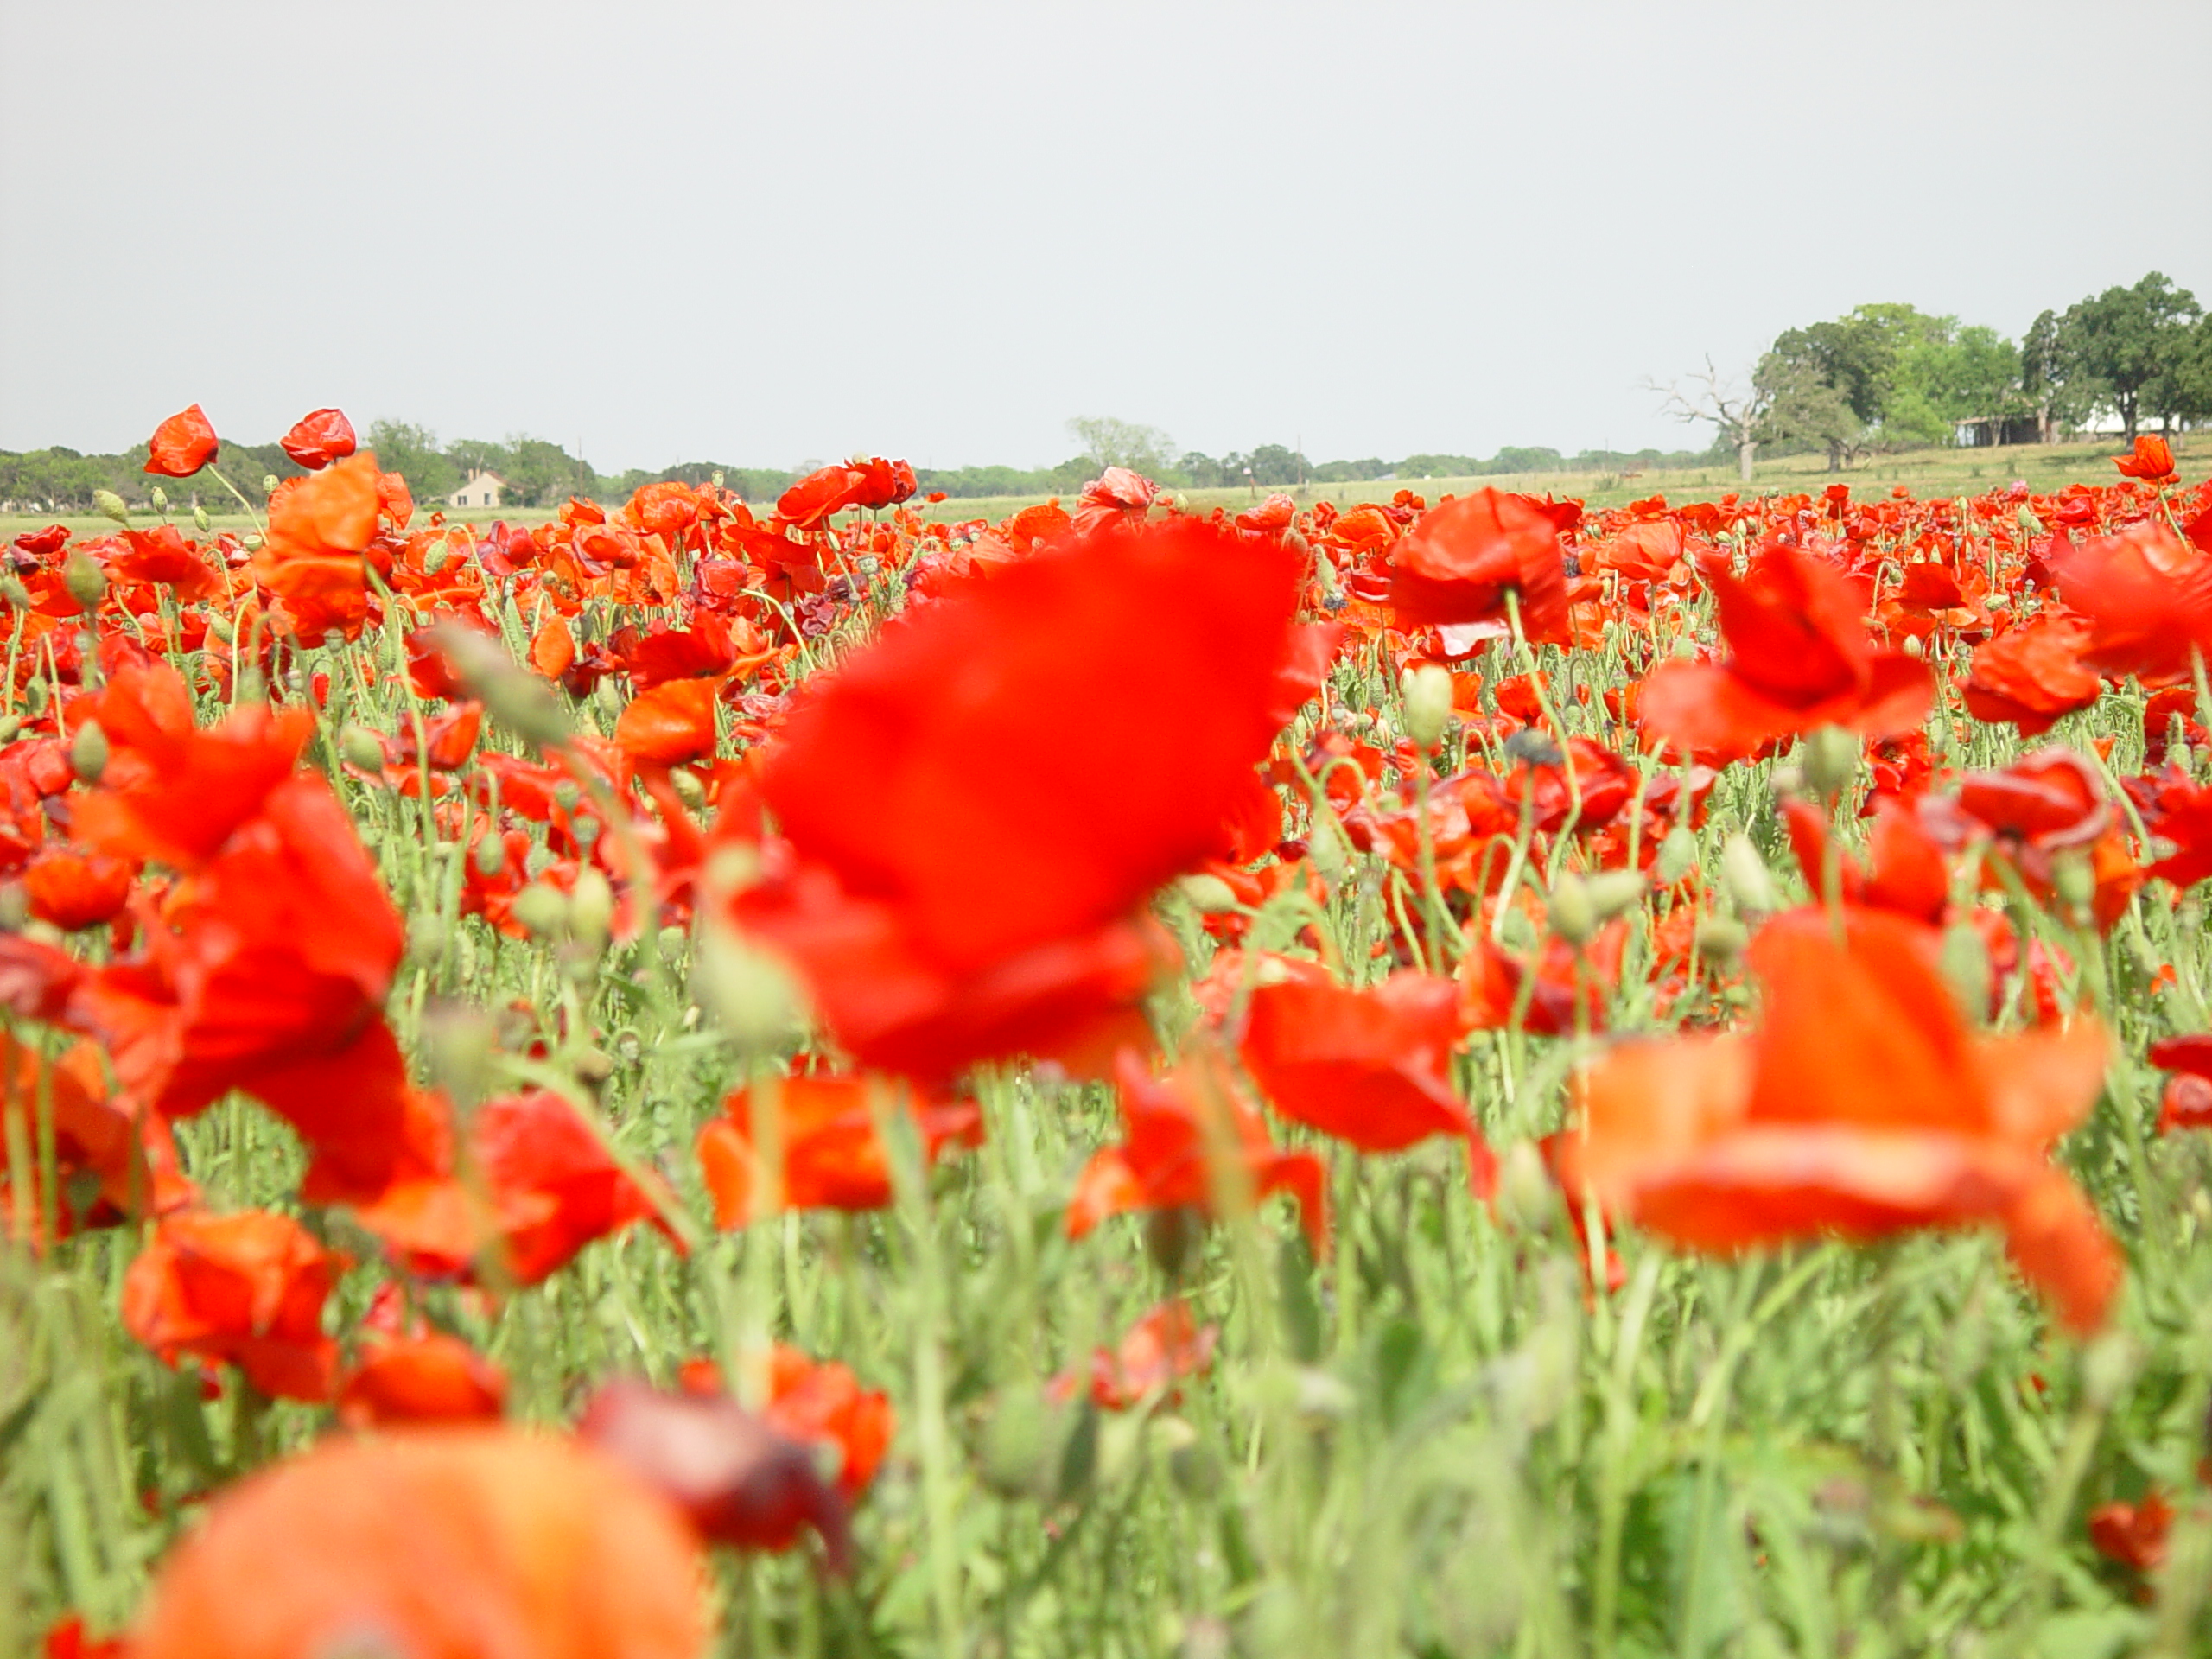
(1888, 377)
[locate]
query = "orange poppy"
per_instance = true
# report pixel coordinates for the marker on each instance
(2152, 461)
(311, 557)
(318, 438)
(670, 723)
(2031, 675)
(1800, 658)
(128, 1155)
(72, 889)
(1861, 1106)
(462, 1542)
(1163, 1162)
(833, 1157)
(245, 1289)
(1454, 567)
(1372, 1068)
(823, 1402)
(182, 444)
(433, 1378)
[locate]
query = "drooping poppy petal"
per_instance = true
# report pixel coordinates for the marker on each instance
(182, 444)
(670, 724)
(434, 1378)
(1372, 1068)
(245, 1289)
(833, 1157)
(318, 438)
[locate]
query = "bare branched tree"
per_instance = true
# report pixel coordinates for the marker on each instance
(1729, 407)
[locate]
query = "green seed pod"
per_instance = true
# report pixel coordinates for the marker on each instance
(490, 856)
(17, 595)
(160, 498)
(1016, 1454)
(1677, 854)
(688, 789)
(1527, 1201)
(1427, 694)
(360, 747)
(14, 907)
(88, 751)
(269, 483)
(2076, 883)
(434, 556)
(515, 697)
(753, 994)
(1744, 873)
(1831, 760)
(1574, 916)
(87, 582)
(1613, 893)
(591, 907)
(1721, 940)
(199, 520)
(542, 908)
(458, 1043)
(1964, 963)
(427, 935)
(110, 505)
(1207, 894)
(252, 685)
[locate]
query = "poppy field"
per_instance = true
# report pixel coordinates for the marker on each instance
(1454, 1076)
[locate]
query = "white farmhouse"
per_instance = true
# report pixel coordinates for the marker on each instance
(482, 490)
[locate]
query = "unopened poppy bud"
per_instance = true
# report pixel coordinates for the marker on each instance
(1684, 648)
(1326, 850)
(12, 590)
(1744, 873)
(110, 505)
(1913, 647)
(87, 582)
(252, 541)
(458, 1043)
(753, 994)
(199, 520)
(1613, 892)
(673, 942)
(88, 751)
(1016, 1456)
(688, 789)
(542, 908)
(1527, 1200)
(591, 906)
(1965, 961)
(1195, 1467)
(160, 498)
(252, 685)
(14, 907)
(10, 725)
(2107, 1366)
(515, 697)
(427, 935)
(490, 856)
(1574, 916)
(269, 483)
(433, 557)
(2076, 883)
(1721, 939)
(221, 628)
(1831, 760)
(1426, 692)
(1677, 853)
(360, 747)
(1207, 894)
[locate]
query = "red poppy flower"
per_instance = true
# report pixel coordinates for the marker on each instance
(1861, 1106)
(162, 555)
(127, 1154)
(426, 1379)
(245, 1289)
(182, 444)
(318, 438)
(446, 1540)
(2181, 812)
(823, 1402)
(1371, 1067)
(2152, 460)
(1454, 567)
(2148, 598)
(311, 557)
(1905, 870)
(66, 1639)
(2133, 1535)
(555, 1186)
(72, 889)
(976, 805)
(1158, 1352)
(1164, 1160)
(2031, 675)
(1116, 497)
(1800, 658)
(820, 495)
(739, 1480)
(670, 724)
(833, 1159)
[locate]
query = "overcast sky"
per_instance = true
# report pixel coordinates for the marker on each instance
(760, 233)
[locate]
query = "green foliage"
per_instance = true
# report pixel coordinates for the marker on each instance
(2131, 350)
(413, 453)
(1109, 443)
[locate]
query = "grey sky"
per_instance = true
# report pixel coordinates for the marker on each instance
(759, 233)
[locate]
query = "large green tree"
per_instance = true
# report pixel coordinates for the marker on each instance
(2126, 349)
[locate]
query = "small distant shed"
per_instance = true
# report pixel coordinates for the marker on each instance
(482, 490)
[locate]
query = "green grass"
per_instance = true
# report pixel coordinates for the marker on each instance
(1436, 1443)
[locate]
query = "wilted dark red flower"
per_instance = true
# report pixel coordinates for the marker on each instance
(182, 444)
(319, 438)
(245, 1289)
(459, 1540)
(1454, 568)
(738, 1479)
(1800, 658)
(1861, 1106)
